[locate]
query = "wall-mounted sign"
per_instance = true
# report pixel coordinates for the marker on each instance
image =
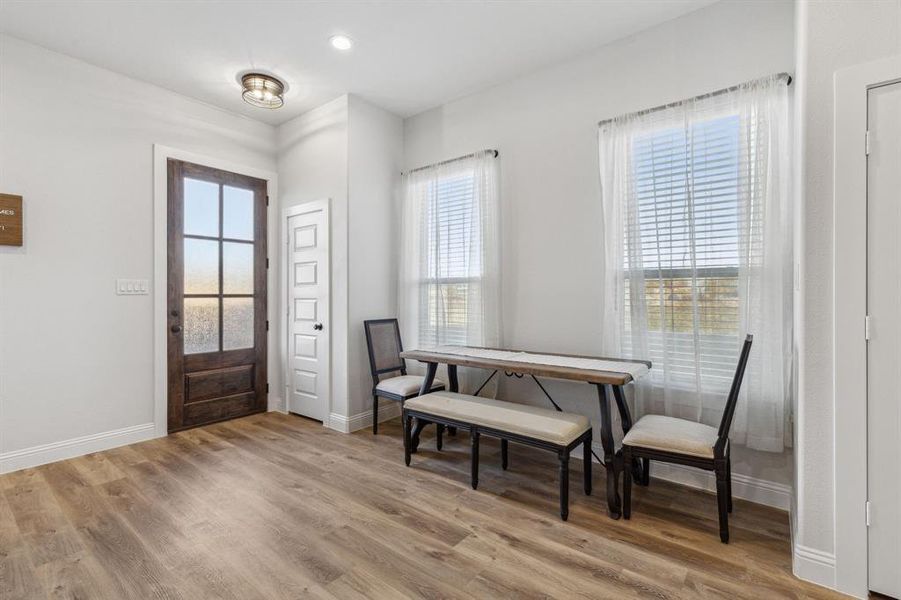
(10, 220)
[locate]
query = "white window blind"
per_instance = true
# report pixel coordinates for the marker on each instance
(451, 288)
(687, 183)
(449, 281)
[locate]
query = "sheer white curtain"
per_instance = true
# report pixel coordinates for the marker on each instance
(697, 224)
(450, 263)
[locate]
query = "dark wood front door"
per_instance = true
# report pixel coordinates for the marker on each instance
(217, 295)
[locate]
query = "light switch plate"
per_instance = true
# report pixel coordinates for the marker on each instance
(132, 287)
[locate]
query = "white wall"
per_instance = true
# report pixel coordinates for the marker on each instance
(77, 142)
(350, 151)
(831, 35)
(312, 165)
(544, 126)
(375, 157)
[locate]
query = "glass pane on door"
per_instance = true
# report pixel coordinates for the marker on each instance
(237, 213)
(201, 200)
(201, 266)
(237, 323)
(237, 268)
(201, 325)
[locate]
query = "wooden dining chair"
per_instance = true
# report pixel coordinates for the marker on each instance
(683, 442)
(384, 345)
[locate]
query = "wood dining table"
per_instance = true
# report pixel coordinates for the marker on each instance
(600, 372)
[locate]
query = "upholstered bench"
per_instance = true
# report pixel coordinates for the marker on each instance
(508, 421)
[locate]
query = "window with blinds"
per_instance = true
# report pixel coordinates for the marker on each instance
(685, 242)
(453, 261)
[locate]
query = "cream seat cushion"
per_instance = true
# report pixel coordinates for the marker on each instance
(404, 385)
(672, 435)
(529, 421)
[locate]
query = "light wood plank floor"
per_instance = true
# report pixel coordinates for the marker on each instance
(275, 506)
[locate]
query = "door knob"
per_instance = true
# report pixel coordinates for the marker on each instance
(175, 329)
(318, 326)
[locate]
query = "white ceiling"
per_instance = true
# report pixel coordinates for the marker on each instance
(408, 56)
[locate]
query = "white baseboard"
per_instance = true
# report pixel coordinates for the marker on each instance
(760, 491)
(387, 411)
(275, 404)
(814, 566)
(47, 453)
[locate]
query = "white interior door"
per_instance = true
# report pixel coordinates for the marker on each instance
(308, 375)
(884, 347)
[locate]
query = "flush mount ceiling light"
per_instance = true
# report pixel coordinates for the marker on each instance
(263, 90)
(341, 42)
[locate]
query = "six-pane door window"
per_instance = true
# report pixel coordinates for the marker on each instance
(218, 267)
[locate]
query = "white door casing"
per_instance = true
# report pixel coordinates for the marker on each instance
(884, 345)
(307, 374)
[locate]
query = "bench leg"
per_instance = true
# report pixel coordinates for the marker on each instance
(439, 440)
(474, 443)
(427, 381)
(504, 454)
(417, 429)
(408, 444)
(375, 414)
(564, 484)
(586, 465)
(645, 472)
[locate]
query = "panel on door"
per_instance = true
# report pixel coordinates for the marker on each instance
(308, 308)
(884, 346)
(216, 295)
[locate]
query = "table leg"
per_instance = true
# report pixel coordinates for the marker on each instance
(626, 419)
(431, 369)
(452, 377)
(454, 387)
(610, 459)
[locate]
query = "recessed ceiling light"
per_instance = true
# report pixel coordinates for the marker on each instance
(263, 90)
(341, 42)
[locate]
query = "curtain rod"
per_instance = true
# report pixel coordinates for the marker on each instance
(785, 76)
(450, 160)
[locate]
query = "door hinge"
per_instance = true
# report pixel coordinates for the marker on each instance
(267, 387)
(866, 328)
(267, 263)
(267, 325)
(868, 142)
(868, 513)
(267, 200)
